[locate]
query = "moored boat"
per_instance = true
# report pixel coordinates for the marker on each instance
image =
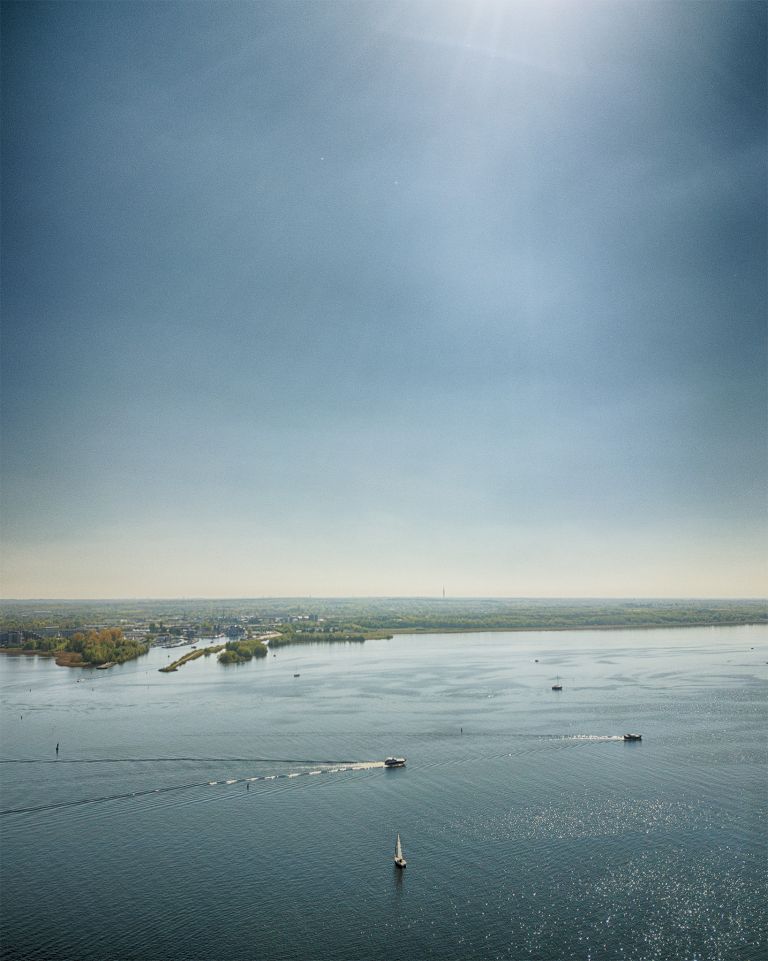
(400, 861)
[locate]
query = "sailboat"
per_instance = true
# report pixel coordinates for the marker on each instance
(400, 861)
(557, 686)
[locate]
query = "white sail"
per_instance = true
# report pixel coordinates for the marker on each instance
(398, 848)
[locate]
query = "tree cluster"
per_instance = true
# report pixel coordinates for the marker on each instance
(106, 646)
(236, 652)
(315, 637)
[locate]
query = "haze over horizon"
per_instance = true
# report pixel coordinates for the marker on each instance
(366, 299)
(368, 597)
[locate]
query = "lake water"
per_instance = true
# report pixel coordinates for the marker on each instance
(534, 834)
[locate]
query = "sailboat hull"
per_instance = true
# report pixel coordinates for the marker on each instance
(399, 859)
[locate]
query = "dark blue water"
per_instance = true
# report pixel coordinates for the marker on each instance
(534, 834)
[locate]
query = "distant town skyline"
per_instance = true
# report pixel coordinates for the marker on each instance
(359, 300)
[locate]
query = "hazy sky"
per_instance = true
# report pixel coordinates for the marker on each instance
(370, 298)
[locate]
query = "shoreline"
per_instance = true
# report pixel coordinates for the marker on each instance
(62, 658)
(579, 627)
(72, 659)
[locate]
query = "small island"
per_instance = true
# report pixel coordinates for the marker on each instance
(238, 652)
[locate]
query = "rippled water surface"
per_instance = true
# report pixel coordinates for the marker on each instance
(243, 813)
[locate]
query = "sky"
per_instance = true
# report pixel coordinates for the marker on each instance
(341, 298)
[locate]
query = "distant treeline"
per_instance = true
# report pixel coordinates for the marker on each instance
(315, 637)
(363, 616)
(562, 616)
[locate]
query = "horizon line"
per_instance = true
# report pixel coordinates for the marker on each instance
(390, 597)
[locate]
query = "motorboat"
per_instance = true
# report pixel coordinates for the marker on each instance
(394, 761)
(633, 737)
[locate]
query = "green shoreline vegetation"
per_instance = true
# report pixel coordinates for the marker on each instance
(103, 648)
(238, 652)
(324, 637)
(241, 651)
(102, 633)
(455, 616)
(191, 656)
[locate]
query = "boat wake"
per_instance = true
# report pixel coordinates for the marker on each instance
(348, 766)
(337, 768)
(593, 737)
(172, 760)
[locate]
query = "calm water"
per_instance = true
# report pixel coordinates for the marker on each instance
(534, 834)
